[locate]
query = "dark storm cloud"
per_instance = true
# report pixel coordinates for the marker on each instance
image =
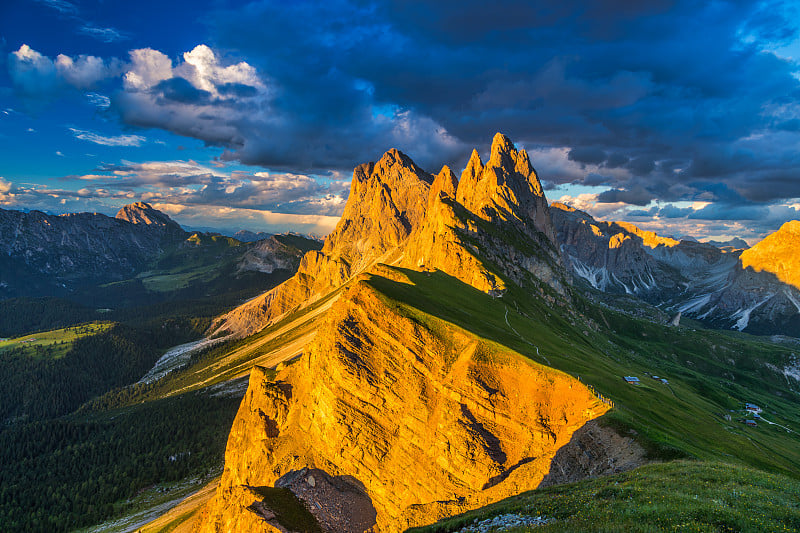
(622, 84)
(661, 99)
(182, 91)
(588, 154)
(636, 195)
(593, 179)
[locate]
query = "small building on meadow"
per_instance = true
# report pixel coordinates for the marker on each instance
(751, 423)
(753, 408)
(632, 380)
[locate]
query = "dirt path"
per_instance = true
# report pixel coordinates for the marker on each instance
(526, 340)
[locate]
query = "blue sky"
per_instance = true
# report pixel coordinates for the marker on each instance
(681, 117)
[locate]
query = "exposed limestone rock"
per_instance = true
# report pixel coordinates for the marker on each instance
(268, 255)
(507, 187)
(143, 213)
(700, 280)
(778, 253)
(427, 418)
(497, 224)
(439, 243)
(494, 223)
(387, 201)
(593, 451)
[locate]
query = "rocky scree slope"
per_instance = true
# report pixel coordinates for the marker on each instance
(755, 290)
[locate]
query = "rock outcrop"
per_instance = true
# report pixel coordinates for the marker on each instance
(491, 226)
(387, 201)
(428, 419)
(778, 253)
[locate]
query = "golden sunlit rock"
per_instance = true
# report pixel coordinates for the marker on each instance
(429, 420)
(778, 253)
(414, 416)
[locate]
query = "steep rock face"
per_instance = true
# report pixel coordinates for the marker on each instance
(609, 256)
(387, 202)
(506, 187)
(143, 214)
(36, 248)
(778, 253)
(700, 280)
(429, 420)
(268, 255)
(495, 224)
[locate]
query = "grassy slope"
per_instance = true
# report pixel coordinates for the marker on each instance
(709, 372)
(67, 336)
(675, 496)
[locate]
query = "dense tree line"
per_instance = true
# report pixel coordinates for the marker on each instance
(33, 388)
(58, 475)
(19, 316)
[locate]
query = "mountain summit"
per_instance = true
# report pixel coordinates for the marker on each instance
(50, 254)
(778, 253)
(491, 226)
(143, 213)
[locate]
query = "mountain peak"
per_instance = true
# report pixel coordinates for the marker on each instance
(144, 214)
(778, 253)
(502, 147)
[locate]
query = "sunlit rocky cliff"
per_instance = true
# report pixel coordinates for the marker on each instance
(391, 412)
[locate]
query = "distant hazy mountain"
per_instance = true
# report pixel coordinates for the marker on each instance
(249, 236)
(702, 280)
(736, 243)
(40, 252)
(138, 256)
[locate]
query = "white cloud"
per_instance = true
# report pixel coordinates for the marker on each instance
(6, 196)
(107, 35)
(62, 6)
(84, 71)
(119, 140)
(225, 217)
(36, 75)
(203, 69)
(32, 72)
(99, 100)
(147, 68)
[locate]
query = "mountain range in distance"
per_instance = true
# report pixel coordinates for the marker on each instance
(139, 256)
(722, 284)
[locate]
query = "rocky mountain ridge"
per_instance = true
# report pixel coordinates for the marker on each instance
(399, 214)
(422, 419)
(756, 290)
(78, 254)
(80, 248)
